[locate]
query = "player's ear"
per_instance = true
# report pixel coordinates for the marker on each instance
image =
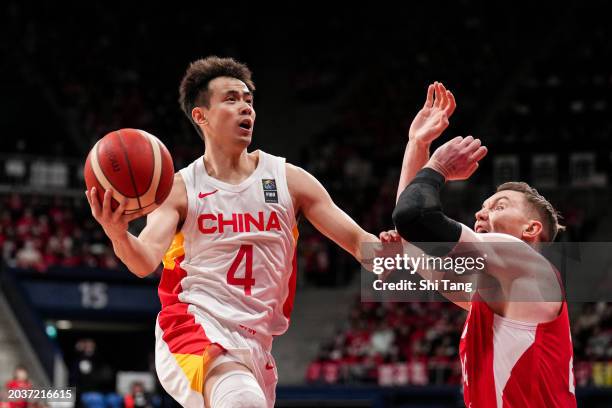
(199, 116)
(533, 229)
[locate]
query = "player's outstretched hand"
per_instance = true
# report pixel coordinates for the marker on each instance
(390, 246)
(115, 223)
(389, 236)
(432, 119)
(458, 158)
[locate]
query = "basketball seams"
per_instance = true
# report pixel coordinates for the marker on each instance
(105, 183)
(166, 176)
(100, 176)
(127, 160)
(149, 196)
(151, 183)
(98, 170)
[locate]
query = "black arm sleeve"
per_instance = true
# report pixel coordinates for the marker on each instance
(418, 215)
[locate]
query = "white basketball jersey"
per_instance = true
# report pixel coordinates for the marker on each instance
(234, 258)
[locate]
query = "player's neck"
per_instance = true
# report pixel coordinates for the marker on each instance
(229, 167)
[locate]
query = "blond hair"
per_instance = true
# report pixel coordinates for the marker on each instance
(548, 215)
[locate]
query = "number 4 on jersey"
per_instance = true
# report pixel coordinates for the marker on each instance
(248, 280)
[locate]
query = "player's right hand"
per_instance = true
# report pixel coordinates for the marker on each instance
(115, 223)
(458, 158)
(432, 119)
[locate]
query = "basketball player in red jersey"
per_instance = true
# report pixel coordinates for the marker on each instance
(513, 353)
(227, 236)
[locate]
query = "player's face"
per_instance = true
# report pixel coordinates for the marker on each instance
(231, 116)
(506, 212)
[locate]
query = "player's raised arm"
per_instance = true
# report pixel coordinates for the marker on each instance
(311, 199)
(418, 215)
(142, 254)
(427, 126)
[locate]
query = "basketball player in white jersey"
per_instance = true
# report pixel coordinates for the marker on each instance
(227, 235)
(516, 348)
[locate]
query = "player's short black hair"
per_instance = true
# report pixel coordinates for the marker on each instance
(194, 90)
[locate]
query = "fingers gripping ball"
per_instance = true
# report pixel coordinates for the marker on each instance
(135, 165)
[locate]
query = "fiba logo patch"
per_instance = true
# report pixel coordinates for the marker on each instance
(269, 190)
(269, 184)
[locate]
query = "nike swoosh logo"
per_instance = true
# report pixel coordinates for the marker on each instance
(202, 195)
(269, 366)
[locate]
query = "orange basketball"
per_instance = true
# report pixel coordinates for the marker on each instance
(134, 164)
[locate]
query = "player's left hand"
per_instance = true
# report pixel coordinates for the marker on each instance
(390, 245)
(389, 236)
(432, 119)
(458, 158)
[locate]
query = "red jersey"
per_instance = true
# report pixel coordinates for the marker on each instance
(18, 385)
(506, 363)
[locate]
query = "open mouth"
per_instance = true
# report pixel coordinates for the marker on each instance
(481, 230)
(246, 124)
